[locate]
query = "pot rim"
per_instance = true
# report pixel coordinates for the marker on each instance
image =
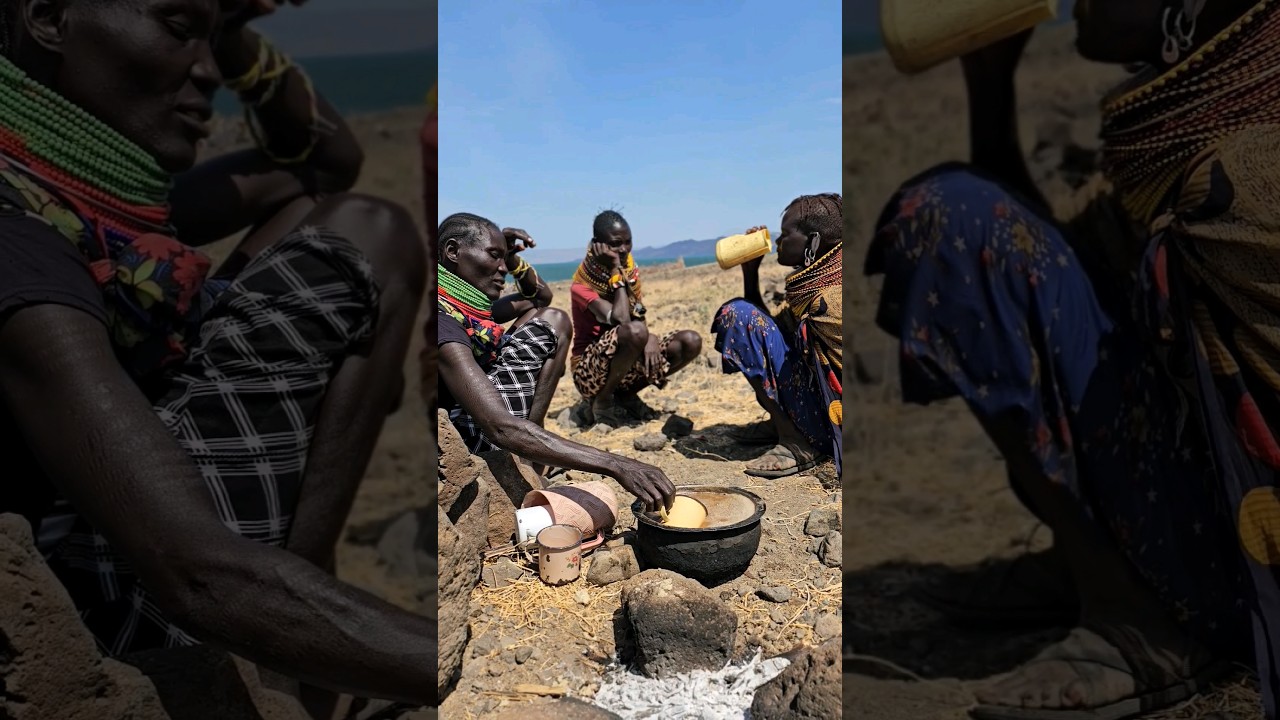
(643, 518)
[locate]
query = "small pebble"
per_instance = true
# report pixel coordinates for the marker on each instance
(779, 616)
(822, 521)
(523, 654)
(831, 552)
(827, 626)
(582, 597)
(483, 645)
(601, 429)
(677, 426)
(650, 442)
(776, 593)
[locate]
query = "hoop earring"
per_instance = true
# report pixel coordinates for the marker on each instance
(1177, 38)
(811, 250)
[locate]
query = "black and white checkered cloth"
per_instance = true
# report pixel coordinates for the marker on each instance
(521, 355)
(243, 405)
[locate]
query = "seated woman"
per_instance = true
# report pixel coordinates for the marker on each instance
(186, 447)
(471, 316)
(794, 361)
(497, 381)
(1125, 362)
(614, 354)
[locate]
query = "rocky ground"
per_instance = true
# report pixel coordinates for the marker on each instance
(48, 665)
(527, 639)
(926, 491)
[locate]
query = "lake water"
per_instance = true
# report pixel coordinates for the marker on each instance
(364, 83)
(862, 42)
(555, 272)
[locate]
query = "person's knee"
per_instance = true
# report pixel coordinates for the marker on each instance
(741, 315)
(690, 344)
(633, 334)
(559, 321)
(737, 308)
(384, 231)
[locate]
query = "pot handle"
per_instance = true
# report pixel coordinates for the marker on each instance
(594, 543)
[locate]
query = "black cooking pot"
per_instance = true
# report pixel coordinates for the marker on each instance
(711, 555)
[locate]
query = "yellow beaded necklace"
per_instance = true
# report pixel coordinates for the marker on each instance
(1152, 131)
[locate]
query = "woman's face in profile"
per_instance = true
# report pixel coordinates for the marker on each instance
(145, 68)
(1119, 31)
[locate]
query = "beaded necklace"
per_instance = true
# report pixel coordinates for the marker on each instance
(460, 300)
(595, 276)
(814, 296)
(807, 285)
(1152, 131)
(70, 142)
(109, 198)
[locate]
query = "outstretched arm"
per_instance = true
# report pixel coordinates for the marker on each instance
(479, 399)
(127, 475)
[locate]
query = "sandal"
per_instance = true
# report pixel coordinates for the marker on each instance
(1032, 591)
(614, 417)
(1154, 687)
(781, 451)
(632, 403)
(761, 432)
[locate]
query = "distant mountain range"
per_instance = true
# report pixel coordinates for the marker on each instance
(684, 248)
(681, 249)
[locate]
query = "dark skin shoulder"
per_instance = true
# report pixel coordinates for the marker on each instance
(477, 396)
(57, 365)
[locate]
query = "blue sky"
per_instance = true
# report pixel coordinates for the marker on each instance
(695, 119)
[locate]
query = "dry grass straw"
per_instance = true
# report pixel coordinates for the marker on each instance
(752, 610)
(523, 606)
(1234, 700)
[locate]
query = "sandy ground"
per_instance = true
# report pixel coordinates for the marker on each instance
(572, 643)
(401, 473)
(926, 491)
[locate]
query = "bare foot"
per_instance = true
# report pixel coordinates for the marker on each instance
(1086, 670)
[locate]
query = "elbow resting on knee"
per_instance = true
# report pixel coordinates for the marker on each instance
(633, 333)
(340, 172)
